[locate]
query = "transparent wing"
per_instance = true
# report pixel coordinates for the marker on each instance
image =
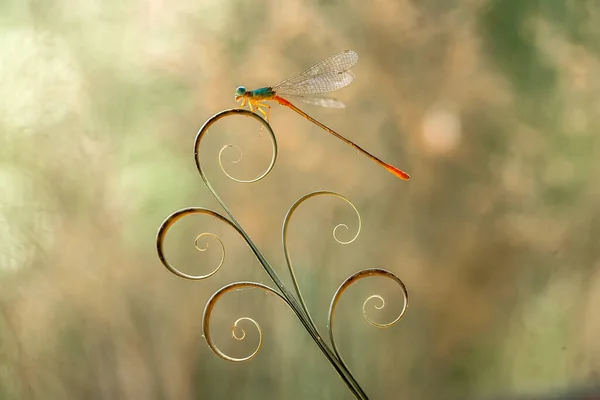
(318, 101)
(328, 75)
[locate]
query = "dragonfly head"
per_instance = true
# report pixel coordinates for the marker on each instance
(239, 93)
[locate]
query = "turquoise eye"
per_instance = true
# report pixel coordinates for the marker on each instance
(240, 91)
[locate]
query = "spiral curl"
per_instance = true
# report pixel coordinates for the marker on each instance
(351, 281)
(205, 248)
(170, 221)
(208, 312)
(284, 235)
(206, 127)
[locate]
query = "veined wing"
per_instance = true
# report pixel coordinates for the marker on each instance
(328, 75)
(318, 101)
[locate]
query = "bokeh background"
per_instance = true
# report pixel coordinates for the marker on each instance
(492, 107)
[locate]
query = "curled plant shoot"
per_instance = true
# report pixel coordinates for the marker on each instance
(294, 301)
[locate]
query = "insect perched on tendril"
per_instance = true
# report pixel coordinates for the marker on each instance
(327, 76)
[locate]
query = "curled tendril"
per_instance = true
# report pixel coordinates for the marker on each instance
(346, 228)
(168, 223)
(381, 306)
(208, 312)
(209, 123)
(351, 281)
(203, 249)
(231, 146)
(235, 324)
(284, 235)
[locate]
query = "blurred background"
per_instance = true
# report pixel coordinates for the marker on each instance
(491, 106)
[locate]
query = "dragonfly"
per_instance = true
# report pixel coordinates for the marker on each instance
(308, 87)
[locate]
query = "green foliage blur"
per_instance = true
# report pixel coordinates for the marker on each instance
(492, 107)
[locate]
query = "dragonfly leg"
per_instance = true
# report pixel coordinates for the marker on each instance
(255, 105)
(258, 107)
(268, 113)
